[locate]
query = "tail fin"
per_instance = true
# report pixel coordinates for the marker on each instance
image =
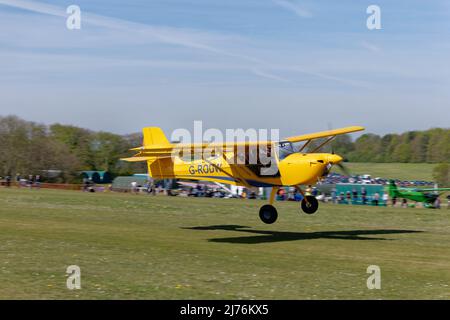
(158, 166)
(154, 135)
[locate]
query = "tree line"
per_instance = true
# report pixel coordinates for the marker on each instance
(430, 146)
(31, 148)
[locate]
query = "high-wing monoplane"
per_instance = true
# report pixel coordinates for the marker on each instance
(295, 161)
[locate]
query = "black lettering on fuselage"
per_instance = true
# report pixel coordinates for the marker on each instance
(205, 168)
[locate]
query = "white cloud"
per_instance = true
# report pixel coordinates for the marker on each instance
(294, 7)
(370, 47)
(189, 38)
(126, 32)
(176, 36)
(265, 74)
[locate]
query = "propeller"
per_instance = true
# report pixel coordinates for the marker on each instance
(344, 169)
(340, 165)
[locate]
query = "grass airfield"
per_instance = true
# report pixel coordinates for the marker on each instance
(144, 247)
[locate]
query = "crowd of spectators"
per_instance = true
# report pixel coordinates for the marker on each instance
(19, 181)
(334, 178)
(354, 196)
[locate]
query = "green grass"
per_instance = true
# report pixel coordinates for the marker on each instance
(402, 171)
(143, 247)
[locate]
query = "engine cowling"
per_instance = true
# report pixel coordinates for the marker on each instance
(306, 168)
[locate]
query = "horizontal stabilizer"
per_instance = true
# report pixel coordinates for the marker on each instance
(137, 159)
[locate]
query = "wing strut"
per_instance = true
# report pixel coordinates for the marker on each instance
(322, 144)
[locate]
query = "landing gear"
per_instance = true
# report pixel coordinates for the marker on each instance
(310, 205)
(268, 214)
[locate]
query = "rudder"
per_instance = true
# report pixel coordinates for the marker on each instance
(157, 168)
(154, 135)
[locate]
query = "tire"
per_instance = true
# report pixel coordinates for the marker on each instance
(268, 214)
(312, 206)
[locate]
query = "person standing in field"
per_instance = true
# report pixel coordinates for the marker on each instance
(134, 187)
(364, 195)
(334, 196)
(8, 181)
(37, 182)
(437, 203)
(341, 198)
(349, 197)
(404, 203)
(376, 198)
(355, 195)
(385, 199)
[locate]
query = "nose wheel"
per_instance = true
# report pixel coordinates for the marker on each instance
(268, 214)
(310, 205)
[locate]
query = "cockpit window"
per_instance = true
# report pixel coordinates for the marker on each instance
(285, 149)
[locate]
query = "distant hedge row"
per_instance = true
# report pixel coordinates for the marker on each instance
(432, 146)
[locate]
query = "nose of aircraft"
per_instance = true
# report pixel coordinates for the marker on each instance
(334, 159)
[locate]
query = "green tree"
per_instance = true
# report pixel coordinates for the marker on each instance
(401, 151)
(28, 149)
(343, 145)
(367, 148)
(438, 149)
(419, 147)
(108, 149)
(79, 141)
(441, 174)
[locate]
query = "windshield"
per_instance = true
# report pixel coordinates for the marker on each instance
(285, 149)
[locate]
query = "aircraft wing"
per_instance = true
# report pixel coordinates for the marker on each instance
(323, 134)
(167, 150)
(431, 189)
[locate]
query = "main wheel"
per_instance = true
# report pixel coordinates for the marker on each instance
(312, 205)
(268, 214)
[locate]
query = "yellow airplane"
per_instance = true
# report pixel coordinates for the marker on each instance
(243, 163)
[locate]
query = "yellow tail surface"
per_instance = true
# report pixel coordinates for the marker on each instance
(154, 135)
(157, 168)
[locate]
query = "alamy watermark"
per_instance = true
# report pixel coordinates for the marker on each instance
(73, 21)
(238, 146)
(374, 280)
(373, 22)
(74, 277)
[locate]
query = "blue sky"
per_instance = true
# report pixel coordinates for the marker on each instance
(299, 66)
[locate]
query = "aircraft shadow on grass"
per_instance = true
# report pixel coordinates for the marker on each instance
(264, 236)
